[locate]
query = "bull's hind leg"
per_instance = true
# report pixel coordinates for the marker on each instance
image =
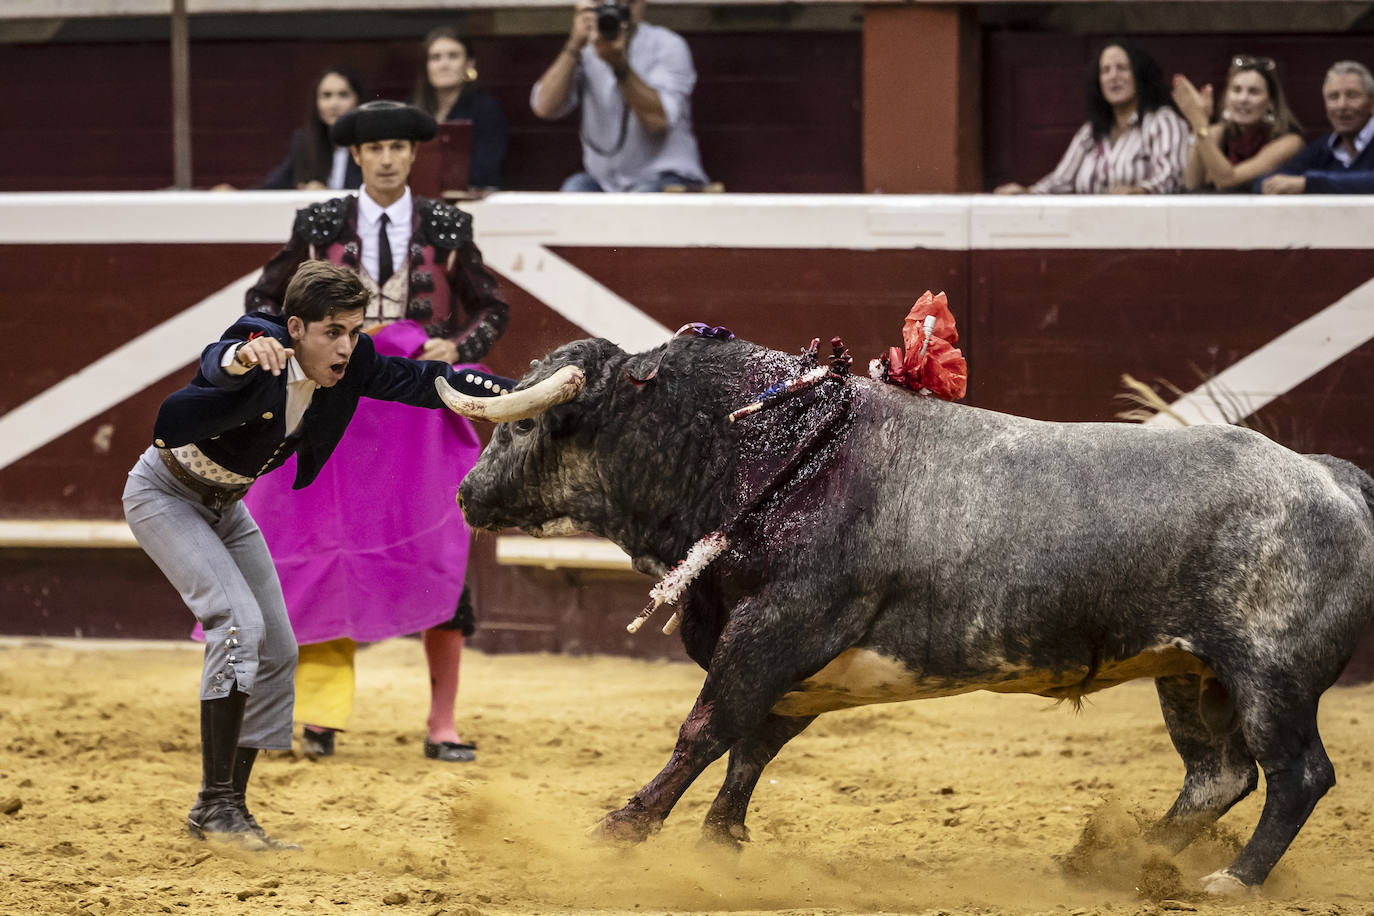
(1201, 719)
(725, 821)
(1282, 733)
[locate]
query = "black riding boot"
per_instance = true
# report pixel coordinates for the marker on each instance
(217, 812)
(243, 768)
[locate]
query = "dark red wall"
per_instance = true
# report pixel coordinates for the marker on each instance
(773, 111)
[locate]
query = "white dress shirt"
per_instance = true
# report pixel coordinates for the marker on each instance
(397, 230)
(300, 390)
(1338, 149)
(299, 393)
(338, 171)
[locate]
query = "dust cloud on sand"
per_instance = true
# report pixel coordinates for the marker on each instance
(975, 804)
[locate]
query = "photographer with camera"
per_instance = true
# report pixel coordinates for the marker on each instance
(634, 83)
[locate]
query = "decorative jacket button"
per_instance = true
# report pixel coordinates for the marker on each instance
(267, 415)
(159, 443)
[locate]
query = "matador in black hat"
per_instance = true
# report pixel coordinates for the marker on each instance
(402, 569)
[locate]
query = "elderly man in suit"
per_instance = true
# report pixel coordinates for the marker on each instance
(271, 387)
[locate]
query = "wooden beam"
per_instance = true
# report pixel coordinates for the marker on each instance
(561, 553)
(921, 99)
(181, 97)
(35, 533)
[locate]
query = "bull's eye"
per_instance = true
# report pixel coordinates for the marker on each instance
(524, 425)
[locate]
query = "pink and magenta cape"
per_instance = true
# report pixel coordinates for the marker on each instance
(376, 547)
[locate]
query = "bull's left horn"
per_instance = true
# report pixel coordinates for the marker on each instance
(562, 386)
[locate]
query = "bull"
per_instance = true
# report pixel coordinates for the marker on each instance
(885, 546)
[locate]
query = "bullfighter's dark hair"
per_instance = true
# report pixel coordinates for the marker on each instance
(319, 289)
(1151, 91)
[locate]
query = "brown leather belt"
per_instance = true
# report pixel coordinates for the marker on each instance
(213, 497)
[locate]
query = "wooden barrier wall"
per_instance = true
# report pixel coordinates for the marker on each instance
(1272, 300)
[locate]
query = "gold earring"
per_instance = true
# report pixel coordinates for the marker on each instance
(471, 74)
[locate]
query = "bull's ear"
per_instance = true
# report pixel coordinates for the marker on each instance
(642, 367)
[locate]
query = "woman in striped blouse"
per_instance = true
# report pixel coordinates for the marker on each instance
(1134, 142)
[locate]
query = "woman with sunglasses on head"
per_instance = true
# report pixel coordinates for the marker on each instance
(1133, 142)
(1255, 134)
(447, 89)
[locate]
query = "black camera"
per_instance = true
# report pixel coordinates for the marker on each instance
(611, 17)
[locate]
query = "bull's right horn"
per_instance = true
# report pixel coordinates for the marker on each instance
(562, 386)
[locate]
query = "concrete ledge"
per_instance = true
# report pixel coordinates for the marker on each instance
(64, 533)
(561, 553)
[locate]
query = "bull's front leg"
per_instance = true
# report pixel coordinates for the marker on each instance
(761, 654)
(698, 745)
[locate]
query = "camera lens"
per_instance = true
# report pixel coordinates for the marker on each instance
(609, 18)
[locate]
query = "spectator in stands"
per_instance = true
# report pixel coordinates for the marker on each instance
(1254, 136)
(378, 548)
(1133, 142)
(1341, 162)
(313, 162)
(634, 83)
(447, 89)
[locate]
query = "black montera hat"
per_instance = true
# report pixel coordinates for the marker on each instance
(382, 120)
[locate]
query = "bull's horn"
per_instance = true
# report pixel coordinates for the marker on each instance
(562, 386)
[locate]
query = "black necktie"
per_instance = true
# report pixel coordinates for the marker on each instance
(383, 252)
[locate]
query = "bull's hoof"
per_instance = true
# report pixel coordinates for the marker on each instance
(724, 836)
(1223, 884)
(627, 828)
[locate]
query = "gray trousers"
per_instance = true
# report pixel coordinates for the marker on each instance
(218, 562)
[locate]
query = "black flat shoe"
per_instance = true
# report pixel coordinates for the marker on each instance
(317, 742)
(450, 751)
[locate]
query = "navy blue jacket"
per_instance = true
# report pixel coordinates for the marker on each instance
(239, 421)
(1326, 174)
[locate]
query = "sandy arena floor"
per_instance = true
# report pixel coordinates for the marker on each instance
(967, 805)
